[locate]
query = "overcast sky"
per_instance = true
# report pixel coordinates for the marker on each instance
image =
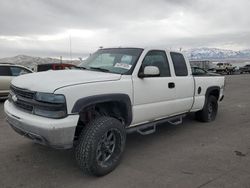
(44, 27)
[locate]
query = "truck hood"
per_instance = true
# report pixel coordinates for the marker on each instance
(49, 81)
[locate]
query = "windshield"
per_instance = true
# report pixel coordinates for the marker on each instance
(114, 60)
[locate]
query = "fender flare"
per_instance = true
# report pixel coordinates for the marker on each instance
(82, 103)
(209, 90)
(212, 88)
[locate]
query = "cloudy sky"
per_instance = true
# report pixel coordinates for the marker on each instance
(44, 27)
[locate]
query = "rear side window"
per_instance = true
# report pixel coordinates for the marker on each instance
(179, 62)
(5, 71)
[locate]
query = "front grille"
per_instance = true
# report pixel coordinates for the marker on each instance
(22, 92)
(24, 105)
(26, 100)
(22, 98)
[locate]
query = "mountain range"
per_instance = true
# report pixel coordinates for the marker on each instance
(216, 54)
(32, 62)
(192, 54)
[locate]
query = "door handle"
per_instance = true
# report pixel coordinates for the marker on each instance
(171, 85)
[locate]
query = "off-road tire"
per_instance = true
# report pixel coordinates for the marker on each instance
(89, 145)
(209, 111)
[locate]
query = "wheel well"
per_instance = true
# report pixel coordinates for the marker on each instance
(215, 93)
(114, 109)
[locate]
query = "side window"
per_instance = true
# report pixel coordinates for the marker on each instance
(179, 62)
(5, 71)
(158, 59)
(16, 71)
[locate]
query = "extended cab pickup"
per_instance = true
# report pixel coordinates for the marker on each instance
(115, 91)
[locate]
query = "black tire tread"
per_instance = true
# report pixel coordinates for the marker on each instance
(86, 140)
(202, 114)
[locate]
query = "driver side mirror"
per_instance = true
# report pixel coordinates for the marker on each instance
(149, 71)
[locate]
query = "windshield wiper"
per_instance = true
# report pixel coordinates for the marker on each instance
(99, 69)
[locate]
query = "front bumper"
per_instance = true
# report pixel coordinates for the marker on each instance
(57, 133)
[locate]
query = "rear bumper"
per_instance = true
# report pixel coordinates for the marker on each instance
(222, 97)
(56, 133)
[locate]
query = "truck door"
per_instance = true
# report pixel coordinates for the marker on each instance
(184, 83)
(154, 96)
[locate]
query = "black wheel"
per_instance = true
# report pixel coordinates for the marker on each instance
(209, 111)
(100, 146)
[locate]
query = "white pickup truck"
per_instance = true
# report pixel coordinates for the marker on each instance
(115, 91)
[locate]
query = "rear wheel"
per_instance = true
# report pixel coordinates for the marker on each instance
(100, 146)
(209, 111)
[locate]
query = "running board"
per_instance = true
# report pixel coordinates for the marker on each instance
(175, 121)
(149, 128)
(146, 131)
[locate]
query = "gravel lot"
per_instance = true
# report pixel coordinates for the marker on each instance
(191, 155)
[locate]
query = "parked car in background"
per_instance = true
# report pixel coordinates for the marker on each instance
(7, 73)
(225, 68)
(245, 69)
(54, 66)
(197, 71)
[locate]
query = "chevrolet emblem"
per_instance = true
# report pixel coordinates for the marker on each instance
(14, 98)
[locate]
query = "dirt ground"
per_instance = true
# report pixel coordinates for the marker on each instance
(190, 155)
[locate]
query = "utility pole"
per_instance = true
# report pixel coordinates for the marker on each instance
(70, 47)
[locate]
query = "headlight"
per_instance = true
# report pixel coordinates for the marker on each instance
(50, 105)
(50, 98)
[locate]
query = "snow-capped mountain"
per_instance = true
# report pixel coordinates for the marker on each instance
(215, 53)
(32, 62)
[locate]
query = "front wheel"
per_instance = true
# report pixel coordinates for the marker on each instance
(100, 146)
(209, 111)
